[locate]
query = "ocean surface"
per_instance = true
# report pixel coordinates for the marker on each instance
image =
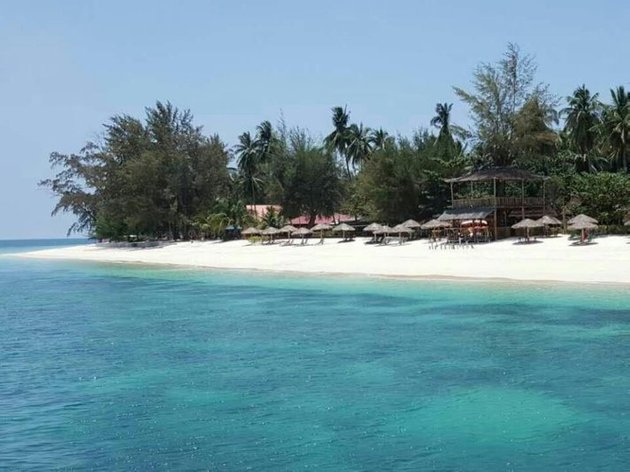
(112, 367)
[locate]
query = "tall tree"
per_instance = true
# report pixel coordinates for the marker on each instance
(378, 139)
(500, 91)
(248, 152)
(339, 139)
(616, 127)
(582, 118)
(359, 145)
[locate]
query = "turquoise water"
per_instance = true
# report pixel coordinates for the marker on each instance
(134, 368)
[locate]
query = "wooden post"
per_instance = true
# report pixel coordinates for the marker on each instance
(544, 198)
(452, 197)
(496, 223)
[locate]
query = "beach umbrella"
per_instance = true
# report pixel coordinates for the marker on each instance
(287, 229)
(400, 229)
(436, 224)
(582, 218)
(344, 228)
(251, 231)
(270, 231)
(384, 229)
(582, 226)
(303, 232)
(547, 220)
(321, 228)
(527, 224)
(411, 224)
(371, 227)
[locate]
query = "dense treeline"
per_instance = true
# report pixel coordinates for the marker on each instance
(162, 177)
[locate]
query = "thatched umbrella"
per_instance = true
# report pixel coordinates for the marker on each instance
(547, 220)
(344, 228)
(411, 224)
(371, 227)
(527, 224)
(582, 226)
(581, 218)
(270, 231)
(627, 223)
(384, 229)
(288, 229)
(303, 232)
(321, 228)
(251, 231)
(436, 224)
(400, 229)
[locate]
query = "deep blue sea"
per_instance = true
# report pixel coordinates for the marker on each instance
(112, 367)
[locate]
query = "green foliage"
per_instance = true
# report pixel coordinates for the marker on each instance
(313, 183)
(605, 196)
(146, 178)
(498, 104)
(405, 180)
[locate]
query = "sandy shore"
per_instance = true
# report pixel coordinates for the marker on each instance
(554, 259)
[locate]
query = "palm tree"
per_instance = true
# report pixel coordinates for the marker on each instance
(582, 120)
(264, 141)
(442, 120)
(378, 139)
(338, 140)
(359, 145)
(446, 143)
(616, 127)
(248, 152)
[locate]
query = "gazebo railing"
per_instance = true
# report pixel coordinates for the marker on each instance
(498, 202)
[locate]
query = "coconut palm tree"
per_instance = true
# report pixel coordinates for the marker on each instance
(338, 140)
(616, 128)
(582, 120)
(442, 120)
(378, 139)
(359, 144)
(248, 152)
(264, 141)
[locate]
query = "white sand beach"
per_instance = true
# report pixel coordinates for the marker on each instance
(553, 259)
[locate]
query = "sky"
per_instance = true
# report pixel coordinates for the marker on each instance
(67, 67)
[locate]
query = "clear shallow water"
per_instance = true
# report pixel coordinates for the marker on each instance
(134, 368)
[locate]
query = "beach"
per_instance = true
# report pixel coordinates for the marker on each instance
(607, 260)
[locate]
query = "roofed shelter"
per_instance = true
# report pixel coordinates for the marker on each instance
(498, 209)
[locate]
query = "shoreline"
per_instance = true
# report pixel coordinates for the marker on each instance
(553, 260)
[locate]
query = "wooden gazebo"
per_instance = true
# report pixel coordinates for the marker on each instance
(500, 210)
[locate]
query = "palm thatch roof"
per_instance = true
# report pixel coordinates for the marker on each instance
(413, 224)
(402, 229)
(372, 227)
(581, 225)
(270, 231)
(302, 231)
(288, 229)
(384, 230)
(527, 223)
(582, 218)
(343, 227)
(498, 173)
(250, 231)
(321, 227)
(547, 220)
(435, 224)
(627, 223)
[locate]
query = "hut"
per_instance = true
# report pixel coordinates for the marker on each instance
(500, 207)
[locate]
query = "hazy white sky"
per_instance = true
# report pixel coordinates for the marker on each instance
(65, 67)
